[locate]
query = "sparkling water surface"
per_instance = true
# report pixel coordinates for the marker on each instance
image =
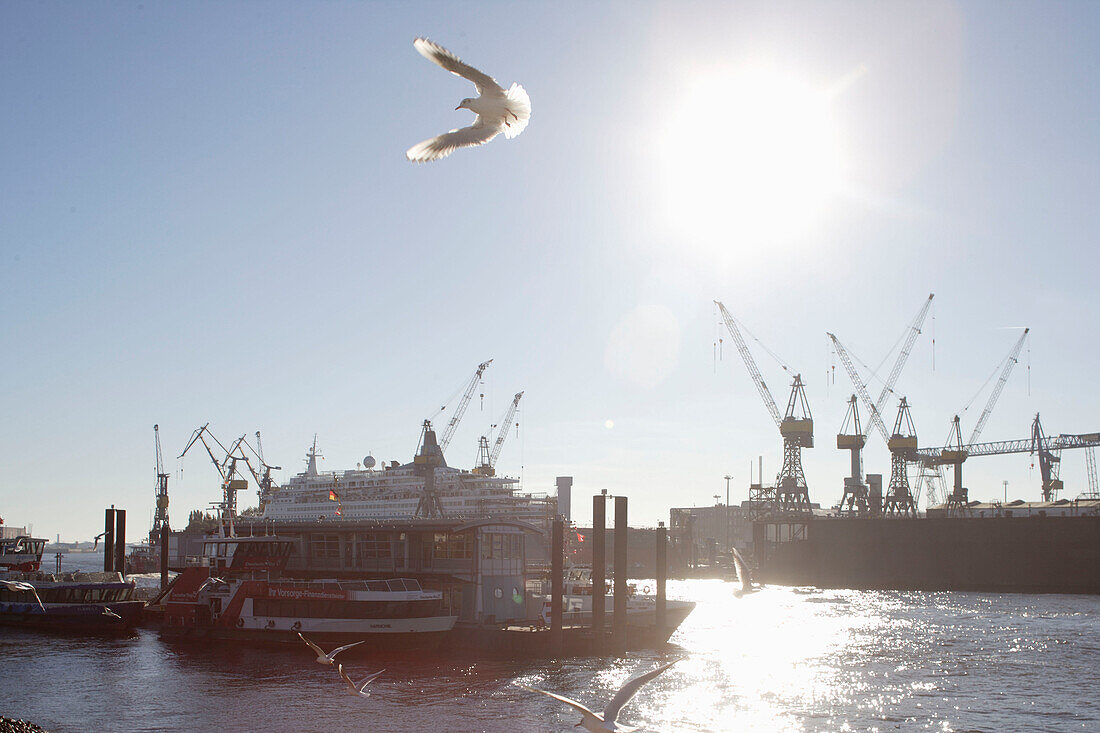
(782, 659)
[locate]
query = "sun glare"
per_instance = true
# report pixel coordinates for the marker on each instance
(751, 154)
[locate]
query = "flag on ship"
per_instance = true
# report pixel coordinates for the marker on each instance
(332, 495)
(580, 537)
(339, 510)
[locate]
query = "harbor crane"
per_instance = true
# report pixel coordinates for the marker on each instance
(796, 426)
(460, 410)
(955, 454)
(487, 461)
(267, 484)
(1090, 468)
(227, 470)
(160, 516)
(855, 496)
(1038, 442)
(903, 448)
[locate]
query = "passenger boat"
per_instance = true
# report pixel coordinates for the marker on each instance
(240, 594)
(641, 608)
(21, 553)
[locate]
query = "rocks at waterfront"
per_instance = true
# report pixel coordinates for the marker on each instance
(10, 725)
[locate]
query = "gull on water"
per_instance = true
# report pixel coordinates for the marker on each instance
(358, 688)
(498, 110)
(322, 657)
(607, 720)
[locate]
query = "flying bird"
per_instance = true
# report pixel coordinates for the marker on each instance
(498, 110)
(358, 688)
(21, 587)
(743, 574)
(607, 720)
(322, 657)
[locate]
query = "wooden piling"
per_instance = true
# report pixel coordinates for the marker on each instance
(120, 540)
(165, 533)
(599, 564)
(557, 591)
(109, 540)
(662, 576)
(618, 623)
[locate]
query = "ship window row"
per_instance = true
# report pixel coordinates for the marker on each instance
(453, 546)
(284, 608)
(66, 595)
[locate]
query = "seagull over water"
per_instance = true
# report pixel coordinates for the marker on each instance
(358, 688)
(322, 657)
(498, 110)
(607, 720)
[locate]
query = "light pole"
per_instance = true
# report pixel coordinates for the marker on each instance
(728, 477)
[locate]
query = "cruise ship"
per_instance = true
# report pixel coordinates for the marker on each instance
(397, 491)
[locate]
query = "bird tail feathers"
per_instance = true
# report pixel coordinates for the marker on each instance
(520, 106)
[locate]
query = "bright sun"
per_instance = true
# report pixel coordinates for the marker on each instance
(751, 154)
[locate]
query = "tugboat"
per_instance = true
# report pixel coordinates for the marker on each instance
(239, 594)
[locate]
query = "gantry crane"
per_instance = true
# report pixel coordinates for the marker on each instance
(1037, 442)
(1049, 461)
(796, 427)
(954, 452)
(487, 461)
(460, 410)
(903, 448)
(227, 469)
(1090, 468)
(854, 500)
(160, 515)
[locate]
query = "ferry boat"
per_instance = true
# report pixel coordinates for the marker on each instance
(72, 601)
(395, 491)
(240, 594)
(641, 608)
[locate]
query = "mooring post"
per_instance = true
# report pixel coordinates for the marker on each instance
(599, 565)
(120, 541)
(557, 550)
(165, 533)
(109, 540)
(618, 623)
(662, 576)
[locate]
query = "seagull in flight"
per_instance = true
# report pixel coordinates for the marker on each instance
(743, 574)
(607, 720)
(322, 657)
(21, 587)
(358, 688)
(498, 110)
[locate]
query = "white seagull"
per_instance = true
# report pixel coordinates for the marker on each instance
(358, 688)
(322, 657)
(743, 574)
(498, 110)
(21, 587)
(603, 722)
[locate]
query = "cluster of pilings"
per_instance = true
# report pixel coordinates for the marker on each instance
(617, 638)
(114, 544)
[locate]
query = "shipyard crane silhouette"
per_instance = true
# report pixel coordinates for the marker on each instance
(855, 491)
(796, 426)
(227, 470)
(954, 452)
(486, 460)
(160, 515)
(429, 455)
(1038, 442)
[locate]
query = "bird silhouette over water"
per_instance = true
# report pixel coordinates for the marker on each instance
(322, 656)
(608, 719)
(498, 110)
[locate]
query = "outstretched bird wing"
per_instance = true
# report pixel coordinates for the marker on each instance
(339, 649)
(314, 647)
(622, 697)
(566, 700)
(368, 679)
(443, 145)
(340, 669)
(435, 53)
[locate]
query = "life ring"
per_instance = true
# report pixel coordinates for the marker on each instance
(240, 623)
(645, 590)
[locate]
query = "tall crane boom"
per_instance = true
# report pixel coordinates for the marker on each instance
(758, 380)
(996, 393)
(504, 426)
(861, 390)
(899, 363)
(463, 404)
(160, 516)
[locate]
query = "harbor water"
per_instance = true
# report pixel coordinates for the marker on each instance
(782, 659)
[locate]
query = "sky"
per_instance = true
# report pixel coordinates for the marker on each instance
(206, 216)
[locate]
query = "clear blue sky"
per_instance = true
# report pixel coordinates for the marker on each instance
(206, 215)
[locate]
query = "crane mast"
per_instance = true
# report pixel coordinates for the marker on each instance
(903, 447)
(996, 393)
(861, 389)
(487, 460)
(854, 499)
(460, 410)
(796, 426)
(160, 516)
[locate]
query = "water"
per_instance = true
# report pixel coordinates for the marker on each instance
(783, 659)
